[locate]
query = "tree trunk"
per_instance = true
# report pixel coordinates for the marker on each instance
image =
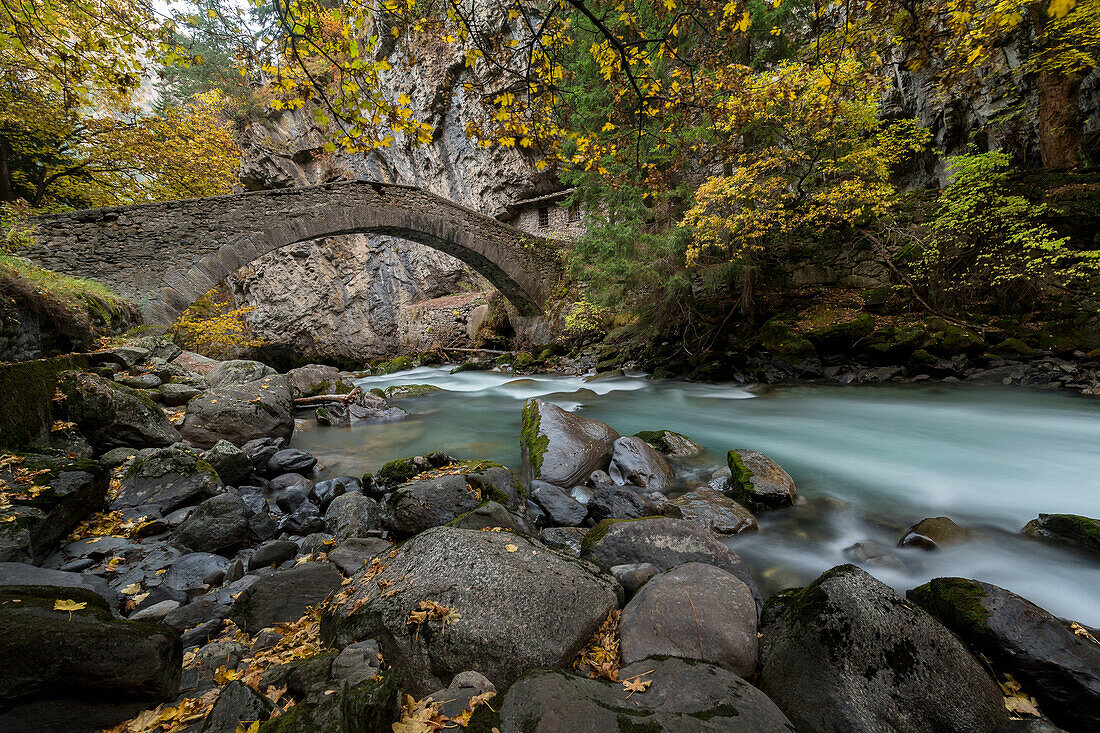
(1059, 120)
(6, 194)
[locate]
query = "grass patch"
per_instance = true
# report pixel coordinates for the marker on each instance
(50, 283)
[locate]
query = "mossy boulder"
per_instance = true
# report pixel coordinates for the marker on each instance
(316, 379)
(431, 502)
(1069, 529)
(1053, 664)
(562, 448)
(402, 391)
(781, 341)
(397, 364)
(848, 653)
(240, 411)
(523, 361)
(371, 705)
(160, 481)
(932, 533)
(833, 328)
(473, 366)
(949, 339)
(671, 443)
(758, 482)
(111, 415)
(1013, 347)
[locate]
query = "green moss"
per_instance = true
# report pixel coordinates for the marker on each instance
(401, 391)
(956, 602)
(397, 472)
(779, 339)
(740, 478)
(26, 399)
(397, 364)
(523, 361)
(535, 442)
(1071, 528)
(472, 366)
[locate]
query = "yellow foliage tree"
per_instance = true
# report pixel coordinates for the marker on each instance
(211, 327)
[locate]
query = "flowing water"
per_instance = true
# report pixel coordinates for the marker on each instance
(868, 461)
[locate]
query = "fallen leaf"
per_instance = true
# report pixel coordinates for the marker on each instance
(511, 548)
(637, 684)
(70, 606)
(131, 590)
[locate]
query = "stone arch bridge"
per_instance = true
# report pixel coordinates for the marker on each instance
(165, 256)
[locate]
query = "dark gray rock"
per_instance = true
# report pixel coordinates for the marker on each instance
(291, 460)
(353, 515)
(619, 502)
(284, 595)
(177, 395)
(713, 510)
(1070, 529)
(236, 703)
(663, 543)
(140, 381)
(1057, 667)
(112, 416)
(260, 450)
(694, 611)
(758, 482)
(314, 379)
(353, 553)
(237, 371)
(189, 573)
(931, 533)
(561, 448)
(155, 612)
(357, 662)
(323, 492)
(240, 412)
(271, 553)
(492, 515)
(848, 653)
(633, 576)
(560, 508)
(521, 605)
(17, 573)
(198, 611)
(287, 497)
(430, 503)
(304, 520)
(230, 462)
(219, 524)
(670, 443)
(637, 463)
(566, 539)
(163, 480)
(684, 697)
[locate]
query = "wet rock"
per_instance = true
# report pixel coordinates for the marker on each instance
(561, 509)
(163, 480)
(694, 611)
(260, 450)
(236, 703)
(875, 554)
(219, 524)
(372, 705)
(496, 482)
(112, 416)
(566, 539)
(306, 519)
(83, 651)
(430, 503)
(17, 573)
(671, 444)
(237, 371)
(637, 463)
(561, 448)
(353, 515)
(633, 576)
(664, 543)
(934, 532)
(372, 408)
(758, 482)
(231, 463)
(848, 653)
(284, 595)
(522, 605)
(619, 502)
(1069, 529)
(315, 379)
(352, 554)
(155, 612)
(713, 510)
(1059, 668)
(189, 572)
(271, 553)
(683, 696)
(291, 460)
(240, 412)
(323, 492)
(491, 515)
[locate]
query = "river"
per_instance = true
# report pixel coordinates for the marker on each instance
(869, 461)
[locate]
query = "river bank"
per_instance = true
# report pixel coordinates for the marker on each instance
(192, 497)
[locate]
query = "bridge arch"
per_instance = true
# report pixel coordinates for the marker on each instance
(167, 255)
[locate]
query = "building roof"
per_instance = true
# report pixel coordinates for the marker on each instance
(511, 210)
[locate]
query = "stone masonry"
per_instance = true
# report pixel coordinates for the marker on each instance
(165, 256)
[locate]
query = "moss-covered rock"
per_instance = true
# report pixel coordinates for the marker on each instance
(1071, 529)
(832, 328)
(401, 391)
(758, 482)
(783, 342)
(372, 705)
(111, 415)
(472, 366)
(670, 443)
(523, 361)
(397, 364)
(1013, 347)
(950, 338)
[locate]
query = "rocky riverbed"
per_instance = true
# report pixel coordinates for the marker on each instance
(169, 562)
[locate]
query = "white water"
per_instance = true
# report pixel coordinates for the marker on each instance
(990, 458)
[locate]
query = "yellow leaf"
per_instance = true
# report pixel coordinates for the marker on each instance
(132, 590)
(1061, 8)
(511, 548)
(70, 606)
(250, 728)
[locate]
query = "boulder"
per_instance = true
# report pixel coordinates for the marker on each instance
(430, 503)
(191, 572)
(561, 448)
(219, 524)
(271, 553)
(758, 482)
(260, 450)
(372, 705)
(17, 573)
(636, 462)
(619, 502)
(65, 642)
(323, 492)
(1057, 667)
(932, 533)
(240, 412)
(237, 371)
(305, 520)
(713, 510)
(284, 595)
(177, 395)
(1069, 529)
(513, 604)
(694, 611)
(369, 407)
(163, 480)
(353, 553)
(112, 416)
(492, 515)
(196, 363)
(663, 543)
(353, 515)
(671, 444)
(315, 379)
(848, 653)
(562, 509)
(291, 460)
(682, 696)
(230, 462)
(237, 703)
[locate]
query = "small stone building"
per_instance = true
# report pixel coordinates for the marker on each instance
(547, 216)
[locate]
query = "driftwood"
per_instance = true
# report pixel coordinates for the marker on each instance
(328, 399)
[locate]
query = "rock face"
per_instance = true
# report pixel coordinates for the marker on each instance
(519, 605)
(1053, 664)
(684, 696)
(561, 448)
(758, 482)
(848, 653)
(112, 416)
(239, 411)
(694, 611)
(85, 651)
